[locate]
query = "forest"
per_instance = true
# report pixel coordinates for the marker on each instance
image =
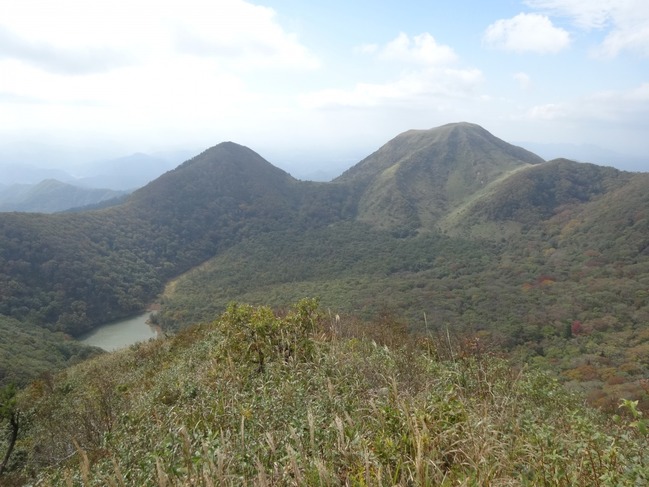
(450, 236)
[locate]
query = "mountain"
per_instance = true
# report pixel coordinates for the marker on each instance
(442, 251)
(50, 196)
(70, 272)
(453, 147)
(534, 194)
(449, 228)
(420, 175)
(29, 174)
(214, 180)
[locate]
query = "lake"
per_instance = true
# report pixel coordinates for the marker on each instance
(120, 334)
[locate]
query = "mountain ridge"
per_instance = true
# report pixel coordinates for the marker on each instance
(536, 193)
(395, 147)
(419, 175)
(229, 193)
(456, 225)
(52, 195)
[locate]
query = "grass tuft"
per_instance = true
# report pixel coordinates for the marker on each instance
(332, 412)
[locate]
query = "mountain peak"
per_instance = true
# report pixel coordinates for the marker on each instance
(232, 155)
(215, 179)
(422, 174)
(443, 146)
(456, 126)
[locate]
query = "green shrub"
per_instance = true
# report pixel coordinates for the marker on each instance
(202, 409)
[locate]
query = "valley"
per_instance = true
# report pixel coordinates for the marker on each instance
(449, 237)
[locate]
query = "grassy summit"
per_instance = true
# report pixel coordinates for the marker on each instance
(302, 398)
(419, 176)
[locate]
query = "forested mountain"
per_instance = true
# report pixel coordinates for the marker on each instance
(69, 272)
(449, 228)
(420, 175)
(51, 195)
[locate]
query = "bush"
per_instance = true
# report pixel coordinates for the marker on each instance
(263, 398)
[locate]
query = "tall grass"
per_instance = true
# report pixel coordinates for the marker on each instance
(197, 410)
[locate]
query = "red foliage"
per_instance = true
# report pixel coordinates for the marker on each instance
(576, 328)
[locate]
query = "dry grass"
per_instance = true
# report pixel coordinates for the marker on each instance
(351, 412)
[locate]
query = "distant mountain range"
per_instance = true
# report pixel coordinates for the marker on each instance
(11, 174)
(23, 186)
(448, 227)
(50, 196)
(35, 189)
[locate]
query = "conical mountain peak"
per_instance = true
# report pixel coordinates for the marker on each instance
(225, 169)
(421, 174)
(449, 144)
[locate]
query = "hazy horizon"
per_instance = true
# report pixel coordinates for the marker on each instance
(320, 163)
(102, 80)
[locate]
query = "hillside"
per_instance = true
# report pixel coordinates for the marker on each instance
(421, 175)
(542, 249)
(532, 195)
(70, 272)
(255, 398)
(444, 229)
(50, 196)
(29, 351)
(227, 184)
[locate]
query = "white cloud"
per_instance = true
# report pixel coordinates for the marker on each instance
(524, 80)
(367, 48)
(245, 33)
(549, 111)
(189, 92)
(121, 32)
(625, 107)
(145, 67)
(61, 59)
(618, 120)
(527, 33)
(431, 79)
(414, 90)
(620, 107)
(587, 14)
(626, 22)
(421, 49)
(625, 39)
(136, 77)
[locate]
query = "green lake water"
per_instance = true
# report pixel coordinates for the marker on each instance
(120, 334)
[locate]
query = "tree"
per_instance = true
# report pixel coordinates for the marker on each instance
(9, 412)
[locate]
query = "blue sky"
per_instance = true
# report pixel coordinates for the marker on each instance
(321, 81)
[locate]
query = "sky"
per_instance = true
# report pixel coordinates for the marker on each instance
(320, 82)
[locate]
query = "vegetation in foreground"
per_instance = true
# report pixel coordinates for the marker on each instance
(303, 398)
